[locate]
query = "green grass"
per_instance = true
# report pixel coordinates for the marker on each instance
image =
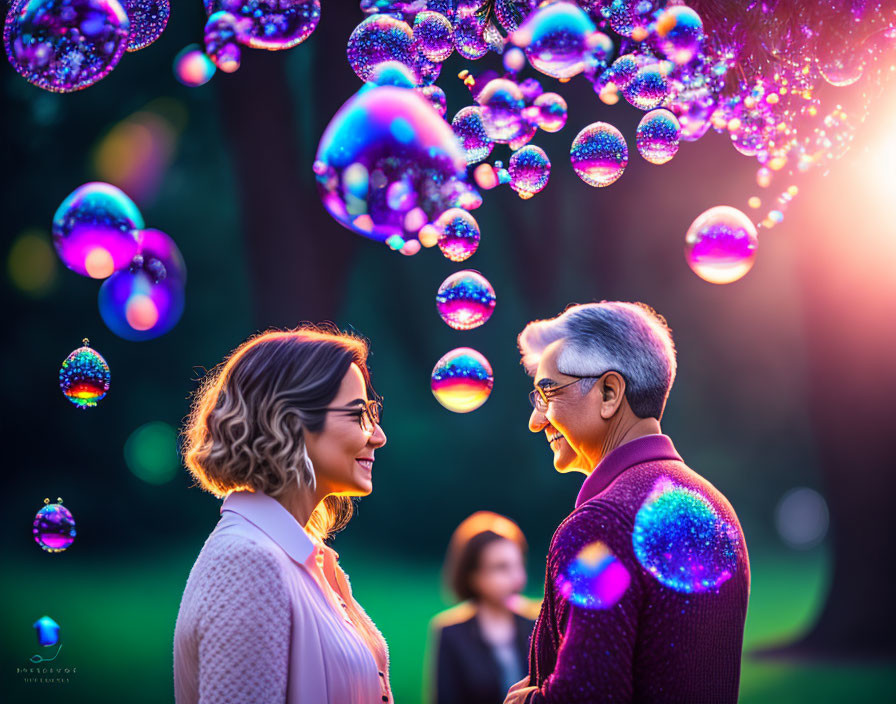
(117, 620)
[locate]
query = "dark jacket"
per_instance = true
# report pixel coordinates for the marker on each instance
(466, 669)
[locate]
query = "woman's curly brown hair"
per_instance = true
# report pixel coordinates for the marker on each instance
(246, 428)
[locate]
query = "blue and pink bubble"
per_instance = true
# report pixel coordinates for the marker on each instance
(462, 380)
(595, 579)
(551, 112)
(193, 67)
(680, 538)
(465, 300)
(148, 20)
(84, 376)
(458, 234)
(65, 45)
(721, 245)
(377, 39)
(433, 35)
(502, 109)
(272, 24)
(54, 529)
(556, 38)
(529, 171)
(599, 154)
(470, 130)
(95, 230)
(658, 136)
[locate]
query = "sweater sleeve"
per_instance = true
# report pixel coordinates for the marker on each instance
(243, 627)
(595, 658)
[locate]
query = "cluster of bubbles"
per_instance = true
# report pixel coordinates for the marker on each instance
(84, 376)
(595, 579)
(99, 232)
(659, 57)
(680, 538)
(67, 45)
(54, 527)
(274, 25)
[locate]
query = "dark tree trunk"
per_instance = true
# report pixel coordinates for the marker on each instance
(299, 258)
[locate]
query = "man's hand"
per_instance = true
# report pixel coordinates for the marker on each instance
(519, 692)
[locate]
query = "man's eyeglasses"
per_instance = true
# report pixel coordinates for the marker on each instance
(368, 414)
(540, 397)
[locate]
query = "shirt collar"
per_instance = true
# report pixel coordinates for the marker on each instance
(267, 514)
(637, 451)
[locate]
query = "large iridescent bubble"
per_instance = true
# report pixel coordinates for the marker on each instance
(680, 31)
(65, 45)
(275, 24)
(136, 306)
(556, 38)
(682, 541)
(657, 136)
(595, 579)
(148, 20)
(377, 39)
(599, 154)
(467, 125)
(462, 380)
(84, 376)
(458, 234)
(721, 245)
(95, 230)
(384, 136)
(502, 109)
(465, 300)
(529, 170)
(434, 35)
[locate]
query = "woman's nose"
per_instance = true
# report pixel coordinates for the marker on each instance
(378, 438)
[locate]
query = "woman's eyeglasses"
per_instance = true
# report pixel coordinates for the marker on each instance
(368, 414)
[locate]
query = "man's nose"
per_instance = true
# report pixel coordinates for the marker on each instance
(537, 421)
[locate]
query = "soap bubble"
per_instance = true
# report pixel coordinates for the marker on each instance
(801, 518)
(434, 35)
(384, 135)
(649, 88)
(626, 17)
(514, 60)
(148, 20)
(222, 41)
(680, 538)
(621, 72)
(595, 579)
(465, 300)
(599, 154)
(136, 308)
(556, 38)
(467, 125)
(65, 45)
(842, 69)
(551, 112)
(680, 30)
(469, 39)
(84, 377)
(529, 169)
(192, 67)
(502, 106)
(436, 98)
(458, 234)
(94, 230)
(462, 380)
(721, 245)
(377, 39)
(274, 24)
(657, 136)
(392, 73)
(54, 527)
(510, 13)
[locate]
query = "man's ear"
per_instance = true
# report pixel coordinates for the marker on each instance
(612, 390)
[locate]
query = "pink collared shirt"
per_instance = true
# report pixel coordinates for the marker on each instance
(268, 616)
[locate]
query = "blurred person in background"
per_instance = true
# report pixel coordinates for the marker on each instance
(481, 645)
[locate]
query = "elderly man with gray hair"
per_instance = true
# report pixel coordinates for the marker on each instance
(648, 578)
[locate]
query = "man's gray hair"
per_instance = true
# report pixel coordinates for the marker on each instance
(629, 338)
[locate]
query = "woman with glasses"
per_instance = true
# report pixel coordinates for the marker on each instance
(285, 431)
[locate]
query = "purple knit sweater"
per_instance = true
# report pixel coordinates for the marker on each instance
(672, 637)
